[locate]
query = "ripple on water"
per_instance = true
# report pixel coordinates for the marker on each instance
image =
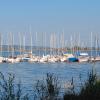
(28, 73)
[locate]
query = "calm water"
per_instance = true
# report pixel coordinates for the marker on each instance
(29, 73)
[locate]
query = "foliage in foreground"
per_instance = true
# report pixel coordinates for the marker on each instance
(89, 91)
(10, 91)
(49, 89)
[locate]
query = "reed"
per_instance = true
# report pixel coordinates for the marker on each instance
(89, 91)
(49, 89)
(9, 90)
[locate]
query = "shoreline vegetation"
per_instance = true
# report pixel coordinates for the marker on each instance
(49, 89)
(64, 49)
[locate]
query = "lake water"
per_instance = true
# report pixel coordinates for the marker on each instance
(29, 73)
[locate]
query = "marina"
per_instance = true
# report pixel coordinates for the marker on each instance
(40, 52)
(29, 73)
(33, 58)
(50, 50)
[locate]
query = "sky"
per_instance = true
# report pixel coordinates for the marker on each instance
(68, 16)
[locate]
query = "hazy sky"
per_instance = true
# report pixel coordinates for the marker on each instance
(72, 16)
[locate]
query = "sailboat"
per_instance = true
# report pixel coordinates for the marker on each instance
(52, 58)
(63, 58)
(97, 56)
(33, 58)
(91, 59)
(19, 57)
(83, 57)
(44, 58)
(12, 58)
(1, 57)
(25, 57)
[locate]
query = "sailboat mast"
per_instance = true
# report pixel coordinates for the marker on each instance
(51, 44)
(13, 44)
(58, 45)
(12, 49)
(1, 44)
(23, 37)
(71, 45)
(8, 44)
(79, 43)
(96, 44)
(31, 39)
(36, 42)
(45, 43)
(62, 41)
(20, 43)
(91, 44)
